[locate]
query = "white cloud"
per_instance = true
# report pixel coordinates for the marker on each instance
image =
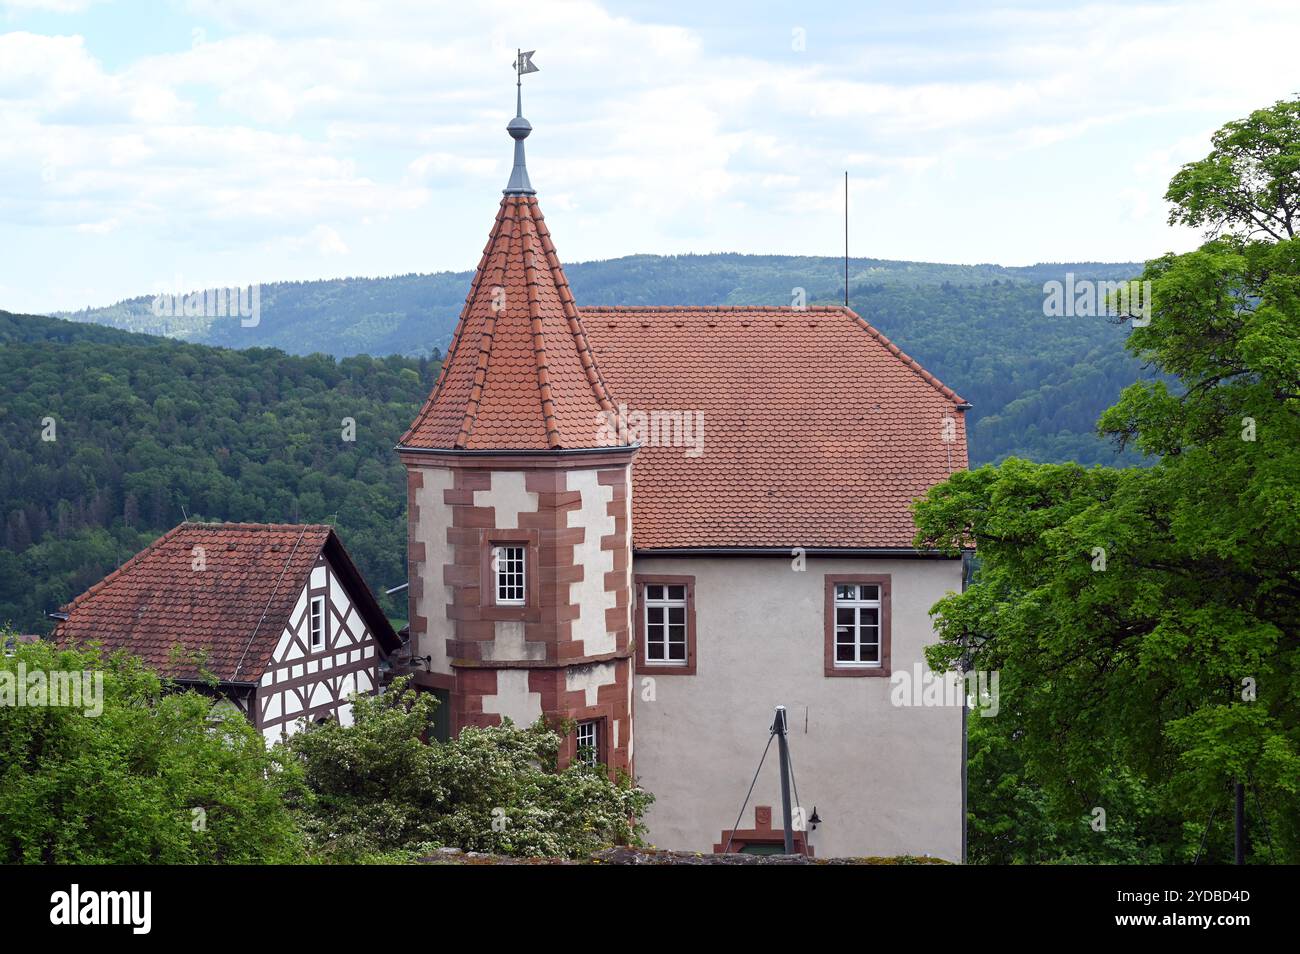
(54, 79)
(283, 116)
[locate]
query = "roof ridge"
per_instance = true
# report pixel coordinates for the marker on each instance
(248, 525)
(902, 355)
(528, 229)
(787, 310)
(508, 216)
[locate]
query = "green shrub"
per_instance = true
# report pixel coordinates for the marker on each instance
(157, 777)
(374, 788)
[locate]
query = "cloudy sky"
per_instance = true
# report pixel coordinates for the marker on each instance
(196, 143)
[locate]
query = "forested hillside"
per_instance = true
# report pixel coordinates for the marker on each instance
(415, 314)
(144, 426)
(1037, 383)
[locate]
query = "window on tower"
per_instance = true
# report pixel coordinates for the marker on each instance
(508, 562)
(588, 747)
(508, 577)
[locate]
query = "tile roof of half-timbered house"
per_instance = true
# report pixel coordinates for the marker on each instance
(213, 598)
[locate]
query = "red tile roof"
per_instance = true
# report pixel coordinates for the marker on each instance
(232, 611)
(818, 431)
(519, 374)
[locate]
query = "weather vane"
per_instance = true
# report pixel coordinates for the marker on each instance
(523, 64)
(519, 128)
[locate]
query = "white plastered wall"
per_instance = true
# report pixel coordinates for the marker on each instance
(885, 780)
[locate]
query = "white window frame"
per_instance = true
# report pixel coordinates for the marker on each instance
(504, 567)
(589, 727)
(857, 604)
(317, 602)
(665, 603)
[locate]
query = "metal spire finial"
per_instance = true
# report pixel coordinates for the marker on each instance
(519, 128)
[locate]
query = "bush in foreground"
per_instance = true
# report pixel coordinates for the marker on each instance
(376, 790)
(137, 774)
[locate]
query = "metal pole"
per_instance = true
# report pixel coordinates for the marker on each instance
(779, 730)
(1239, 829)
(846, 238)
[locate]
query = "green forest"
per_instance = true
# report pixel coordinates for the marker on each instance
(108, 438)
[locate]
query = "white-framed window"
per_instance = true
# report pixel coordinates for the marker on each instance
(317, 623)
(665, 624)
(510, 585)
(857, 625)
(588, 747)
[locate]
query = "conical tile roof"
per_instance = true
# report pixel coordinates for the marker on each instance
(519, 374)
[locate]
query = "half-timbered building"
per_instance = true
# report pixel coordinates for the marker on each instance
(275, 616)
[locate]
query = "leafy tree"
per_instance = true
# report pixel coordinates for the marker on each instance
(157, 777)
(377, 788)
(1146, 621)
(1013, 819)
(1250, 183)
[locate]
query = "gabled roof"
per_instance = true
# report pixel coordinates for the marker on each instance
(818, 431)
(519, 374)
(231, 612)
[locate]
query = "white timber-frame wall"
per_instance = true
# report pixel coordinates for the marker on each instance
(303, 684)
